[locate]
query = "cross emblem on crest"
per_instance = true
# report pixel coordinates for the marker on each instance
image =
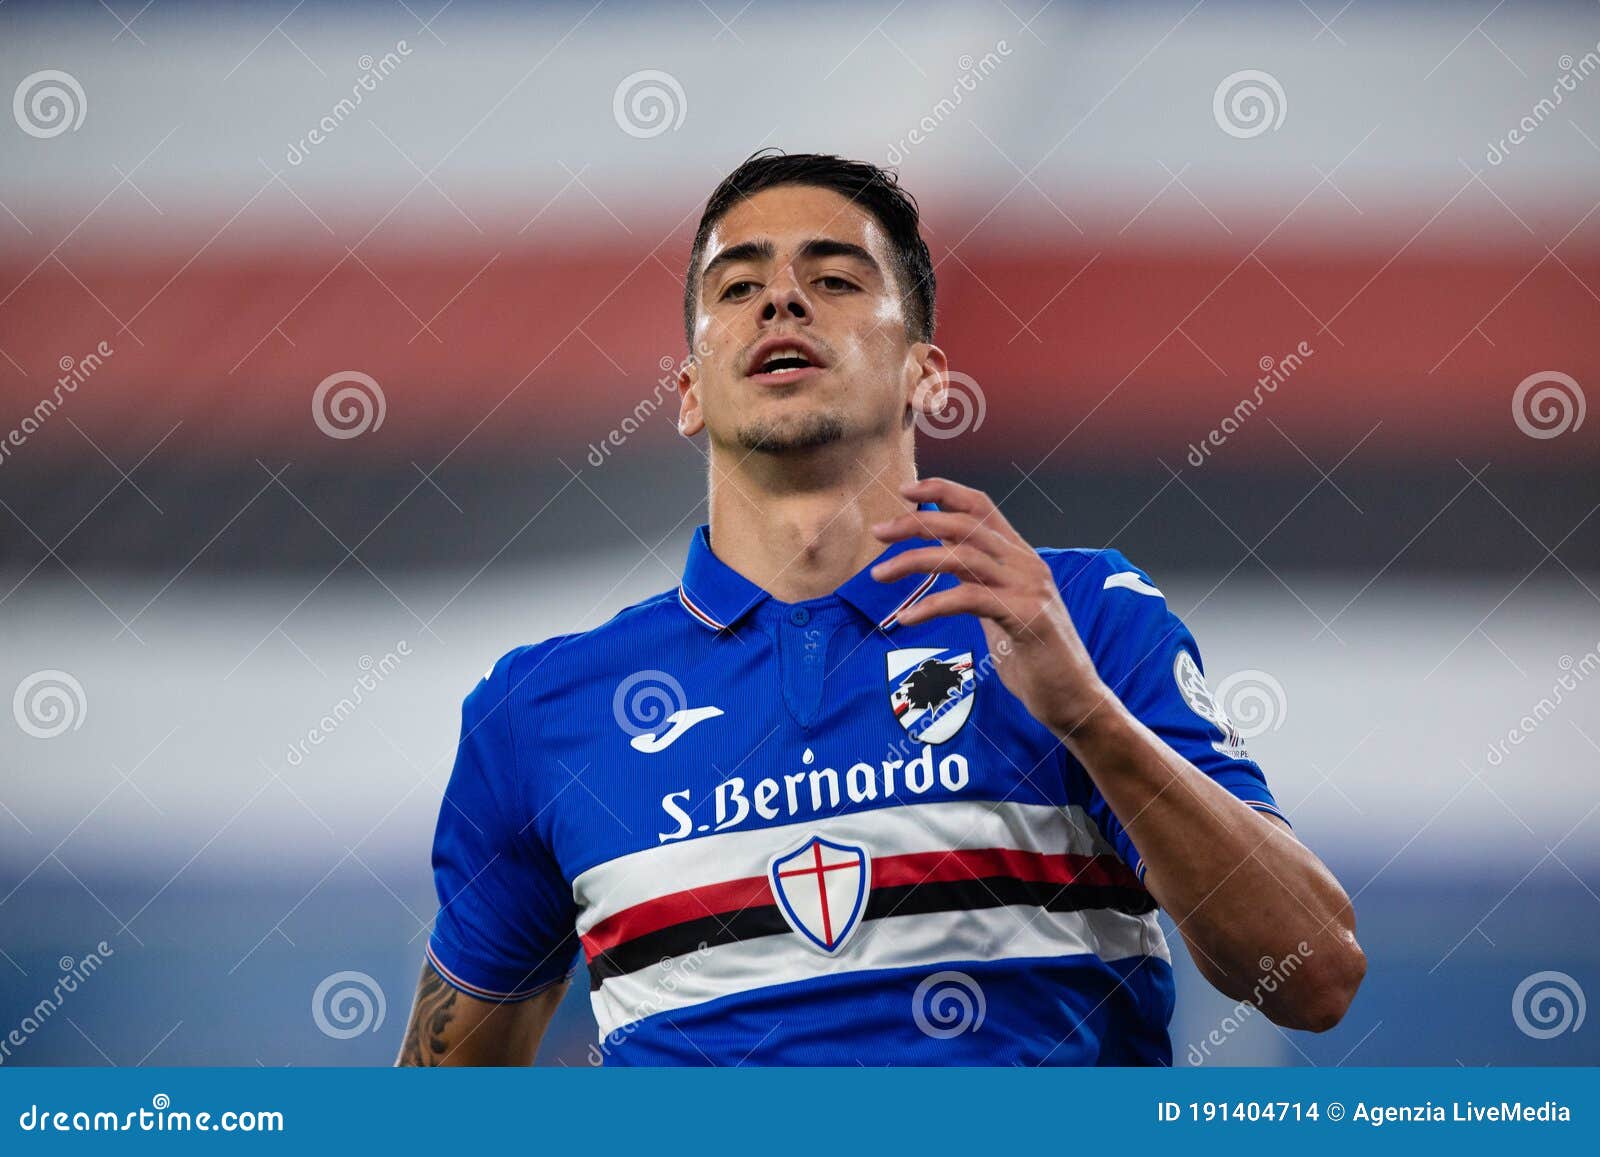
(821, 889)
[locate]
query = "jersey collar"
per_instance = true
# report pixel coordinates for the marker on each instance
(717, 596)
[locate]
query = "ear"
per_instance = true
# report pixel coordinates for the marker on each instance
(690, 420)
(927, 379)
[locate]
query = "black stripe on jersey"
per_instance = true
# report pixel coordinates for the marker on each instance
(904, 900)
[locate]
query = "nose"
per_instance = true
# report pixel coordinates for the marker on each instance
(785, 300)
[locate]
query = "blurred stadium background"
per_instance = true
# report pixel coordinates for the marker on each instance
(1393, 555)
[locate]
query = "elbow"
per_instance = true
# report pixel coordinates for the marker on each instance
(1326, 989)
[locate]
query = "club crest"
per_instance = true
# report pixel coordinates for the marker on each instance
(931, 691)
(821, 889)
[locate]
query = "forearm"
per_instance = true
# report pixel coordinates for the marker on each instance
(448, 1027)
(1240, 887)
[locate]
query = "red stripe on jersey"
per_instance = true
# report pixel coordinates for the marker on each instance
(887, 872)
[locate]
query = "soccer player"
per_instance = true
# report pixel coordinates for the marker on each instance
(914, 789)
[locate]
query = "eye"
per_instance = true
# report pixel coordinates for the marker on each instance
(836, 284)
(737, 290)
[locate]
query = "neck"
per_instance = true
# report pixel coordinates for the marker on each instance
(801, 538)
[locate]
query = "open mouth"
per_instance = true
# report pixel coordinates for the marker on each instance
(784, 362)
(779, 359)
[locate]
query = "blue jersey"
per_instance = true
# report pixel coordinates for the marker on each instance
(800, 833)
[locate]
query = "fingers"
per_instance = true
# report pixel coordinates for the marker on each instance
(965, 599)
(953, 496)
(964, 561)
(950, 528)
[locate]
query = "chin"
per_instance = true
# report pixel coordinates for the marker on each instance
(790, 434)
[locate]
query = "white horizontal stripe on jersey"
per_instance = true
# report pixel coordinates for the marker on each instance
(928, 940)
(615, 885)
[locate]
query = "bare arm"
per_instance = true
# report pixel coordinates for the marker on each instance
(1263, 917)
(448, 1027)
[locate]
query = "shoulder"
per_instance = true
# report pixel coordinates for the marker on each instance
(1093, 577)
(1116, 606)
(573, 662)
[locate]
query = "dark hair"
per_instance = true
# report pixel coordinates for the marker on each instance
(876, 190)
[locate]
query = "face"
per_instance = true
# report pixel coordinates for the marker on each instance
(800, 334)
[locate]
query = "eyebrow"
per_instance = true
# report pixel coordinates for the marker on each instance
(764, 250)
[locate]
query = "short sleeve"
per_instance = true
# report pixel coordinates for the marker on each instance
(1150, 660)
(505, 929)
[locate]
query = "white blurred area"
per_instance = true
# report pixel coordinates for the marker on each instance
(1381, 754)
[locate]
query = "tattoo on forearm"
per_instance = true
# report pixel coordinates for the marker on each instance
(426, 1040)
